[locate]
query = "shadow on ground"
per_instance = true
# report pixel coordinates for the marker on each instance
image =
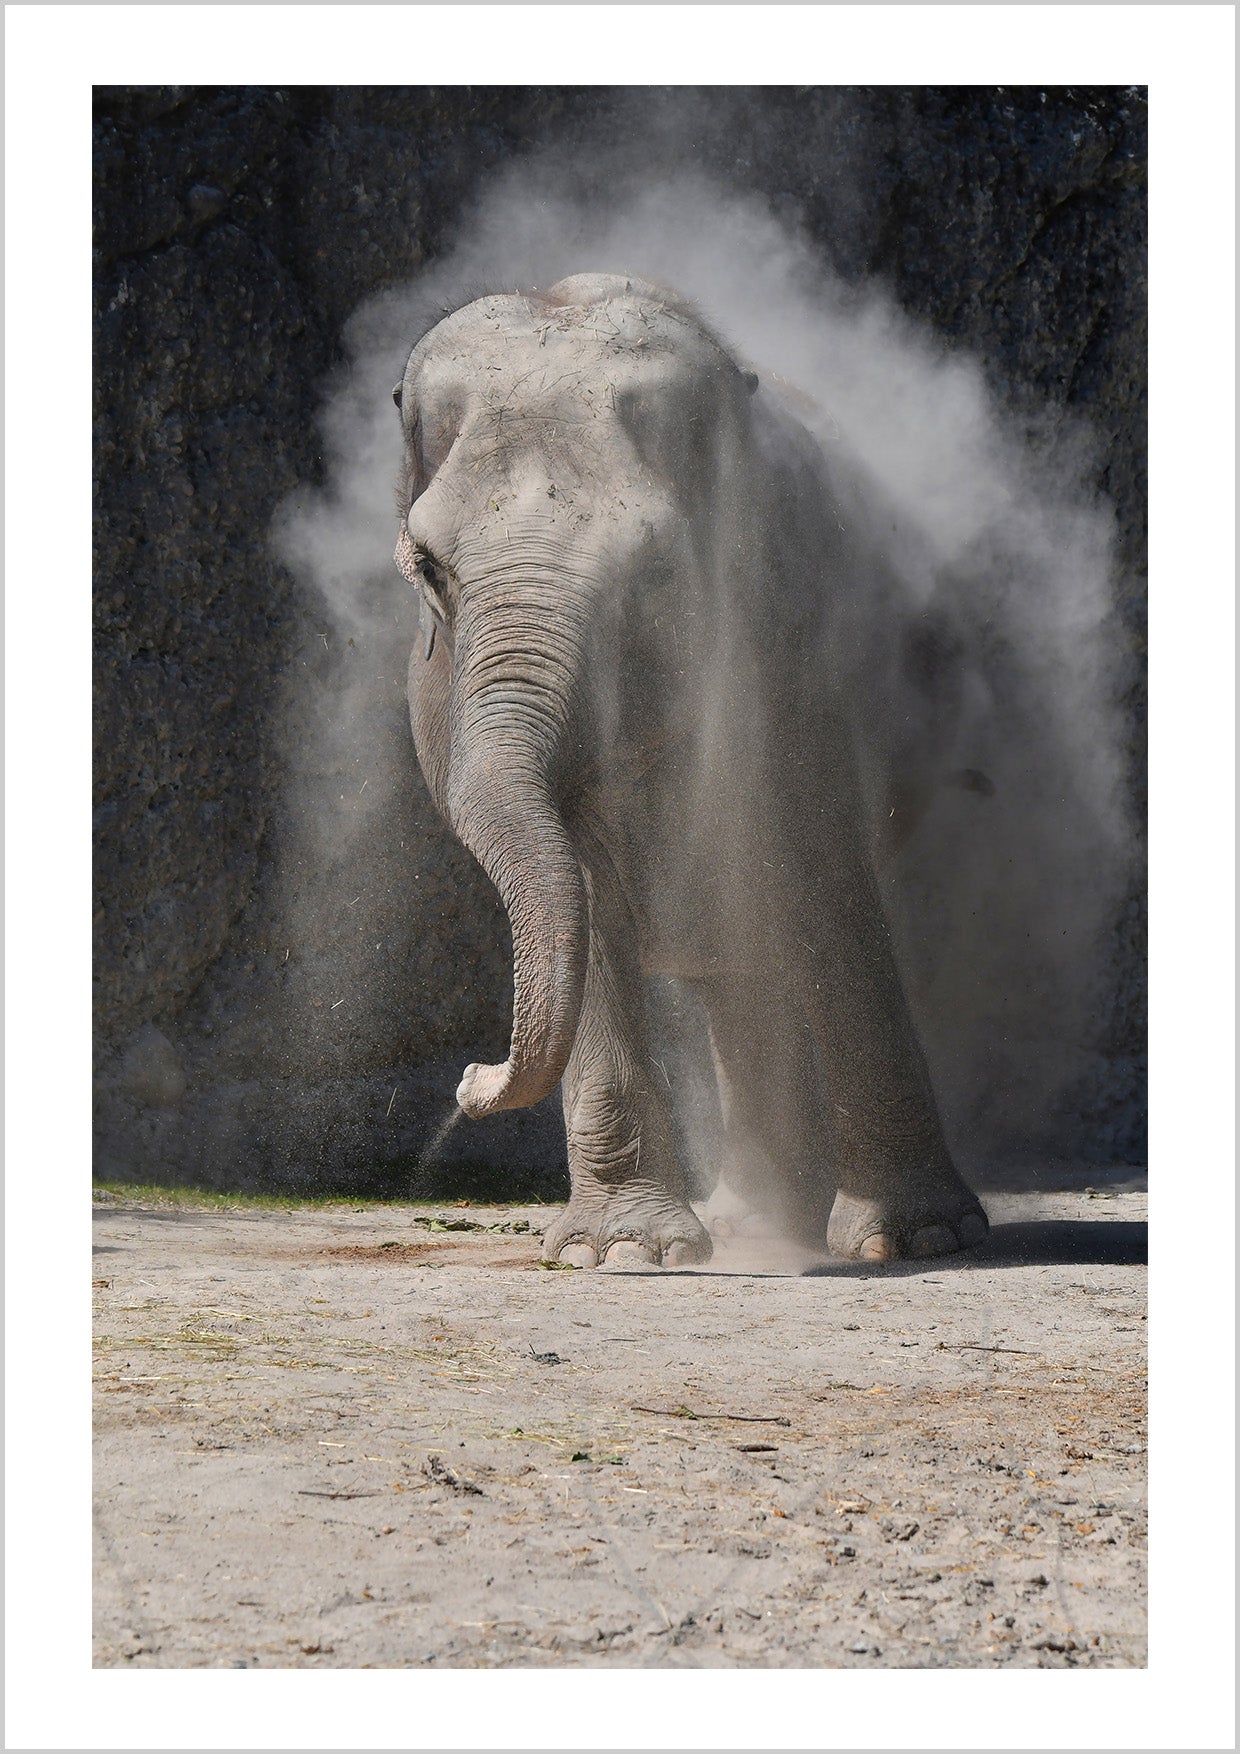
(1063, 1242)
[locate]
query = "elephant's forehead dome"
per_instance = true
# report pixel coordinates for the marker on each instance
(514, 336)
(549, 401)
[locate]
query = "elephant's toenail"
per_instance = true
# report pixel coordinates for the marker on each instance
(972, 1228)
(879, 1248)
(935, 1239)
(577, 1254)
(681, 1254)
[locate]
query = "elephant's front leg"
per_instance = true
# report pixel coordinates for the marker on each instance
(629, 1203)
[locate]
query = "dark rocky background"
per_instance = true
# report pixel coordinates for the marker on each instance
(236, 229)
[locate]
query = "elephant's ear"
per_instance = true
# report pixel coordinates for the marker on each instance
(406, 558)
(426, 626)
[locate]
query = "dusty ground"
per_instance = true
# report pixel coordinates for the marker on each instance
(350, 1438)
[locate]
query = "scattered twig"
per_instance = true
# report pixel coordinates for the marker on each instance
(309, 1492)
(389, 1106)
(749, 1418)
(738, 1418)
(976, 1346)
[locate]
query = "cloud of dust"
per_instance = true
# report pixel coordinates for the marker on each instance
(1000, 900)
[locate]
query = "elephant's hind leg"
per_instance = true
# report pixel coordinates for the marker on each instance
(629, 1203)
(899, 1192)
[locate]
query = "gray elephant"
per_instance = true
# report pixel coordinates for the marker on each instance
(645, 692)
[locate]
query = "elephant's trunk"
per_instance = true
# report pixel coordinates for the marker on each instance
(501, 804)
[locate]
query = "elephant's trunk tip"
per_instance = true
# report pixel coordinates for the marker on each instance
(484, 1089)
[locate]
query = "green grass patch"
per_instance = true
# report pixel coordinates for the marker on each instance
(213, 1200)
(399, 1184)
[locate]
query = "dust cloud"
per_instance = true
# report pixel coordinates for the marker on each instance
(997, 556)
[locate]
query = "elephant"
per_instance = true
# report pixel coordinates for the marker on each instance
(642, 695)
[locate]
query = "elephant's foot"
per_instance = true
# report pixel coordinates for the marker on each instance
(934, 1219)
(626, 1227)
(729, 1214)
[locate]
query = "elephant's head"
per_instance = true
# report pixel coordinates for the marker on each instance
(541, 480)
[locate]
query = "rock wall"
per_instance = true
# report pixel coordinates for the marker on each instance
(236, 230)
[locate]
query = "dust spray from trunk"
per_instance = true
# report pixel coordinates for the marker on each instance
(999, 561)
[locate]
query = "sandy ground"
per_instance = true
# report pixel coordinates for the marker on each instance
(355, 1438)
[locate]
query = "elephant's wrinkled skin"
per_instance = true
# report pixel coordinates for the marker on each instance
(633, 699)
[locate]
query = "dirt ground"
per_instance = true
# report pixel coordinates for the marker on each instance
(365, 1438)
